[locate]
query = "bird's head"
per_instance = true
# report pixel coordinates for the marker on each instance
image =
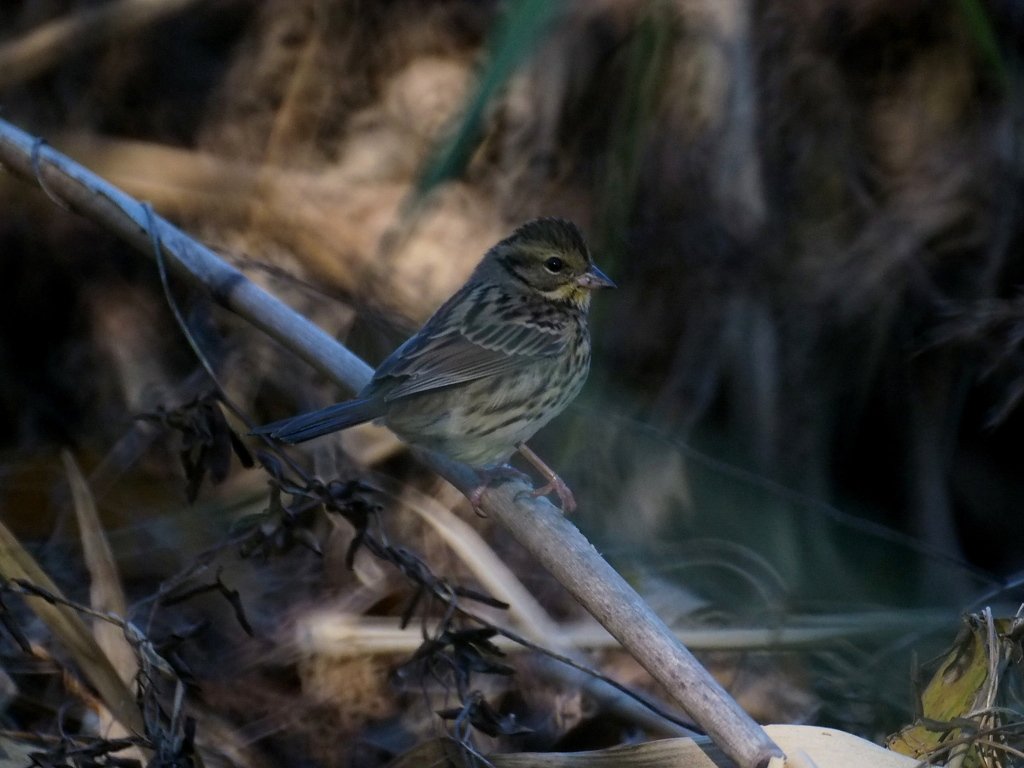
(548, 257)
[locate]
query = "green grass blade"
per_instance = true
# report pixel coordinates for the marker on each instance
(985, 38)
(516, 37)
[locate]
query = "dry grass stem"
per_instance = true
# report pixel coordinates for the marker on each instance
(349, 636)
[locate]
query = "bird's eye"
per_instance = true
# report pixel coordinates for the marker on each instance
(554, 264)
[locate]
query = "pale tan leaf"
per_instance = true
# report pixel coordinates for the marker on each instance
(71, 631)
(106, 594)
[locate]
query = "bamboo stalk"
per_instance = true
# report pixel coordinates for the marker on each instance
(537, 525)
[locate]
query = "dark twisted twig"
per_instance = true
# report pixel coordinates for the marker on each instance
(168, 740)
(515, 637)
(538, 526)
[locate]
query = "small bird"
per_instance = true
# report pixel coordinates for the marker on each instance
(500, 359)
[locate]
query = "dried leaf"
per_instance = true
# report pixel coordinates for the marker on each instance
(481, 715)
(964, 687)
(70, 631)
(106, 593)
(207, 441)
(950, 694)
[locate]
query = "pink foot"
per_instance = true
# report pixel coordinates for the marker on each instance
(487, 478)
(557, 484)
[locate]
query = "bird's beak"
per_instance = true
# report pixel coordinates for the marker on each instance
(593, 279)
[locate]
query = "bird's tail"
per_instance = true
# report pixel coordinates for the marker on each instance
(299, 429)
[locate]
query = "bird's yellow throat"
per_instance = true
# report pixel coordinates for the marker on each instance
(573, 294)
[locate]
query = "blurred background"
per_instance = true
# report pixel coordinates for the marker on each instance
(805, 407)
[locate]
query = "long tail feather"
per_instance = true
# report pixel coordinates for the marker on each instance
(299, 429)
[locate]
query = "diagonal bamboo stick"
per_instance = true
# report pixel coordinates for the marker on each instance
(535, 523)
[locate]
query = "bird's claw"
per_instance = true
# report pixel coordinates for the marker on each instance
(555, 485)
(488, 478)
(476, 498)
(558, 486)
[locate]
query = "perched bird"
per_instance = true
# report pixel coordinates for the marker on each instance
(500, 359)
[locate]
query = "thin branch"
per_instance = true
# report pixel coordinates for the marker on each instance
(583, 668)
(535, 523)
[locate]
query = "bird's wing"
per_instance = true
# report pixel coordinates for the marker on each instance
(479, 332)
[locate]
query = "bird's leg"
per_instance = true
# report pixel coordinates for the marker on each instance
(554, 482)
(489, 476)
